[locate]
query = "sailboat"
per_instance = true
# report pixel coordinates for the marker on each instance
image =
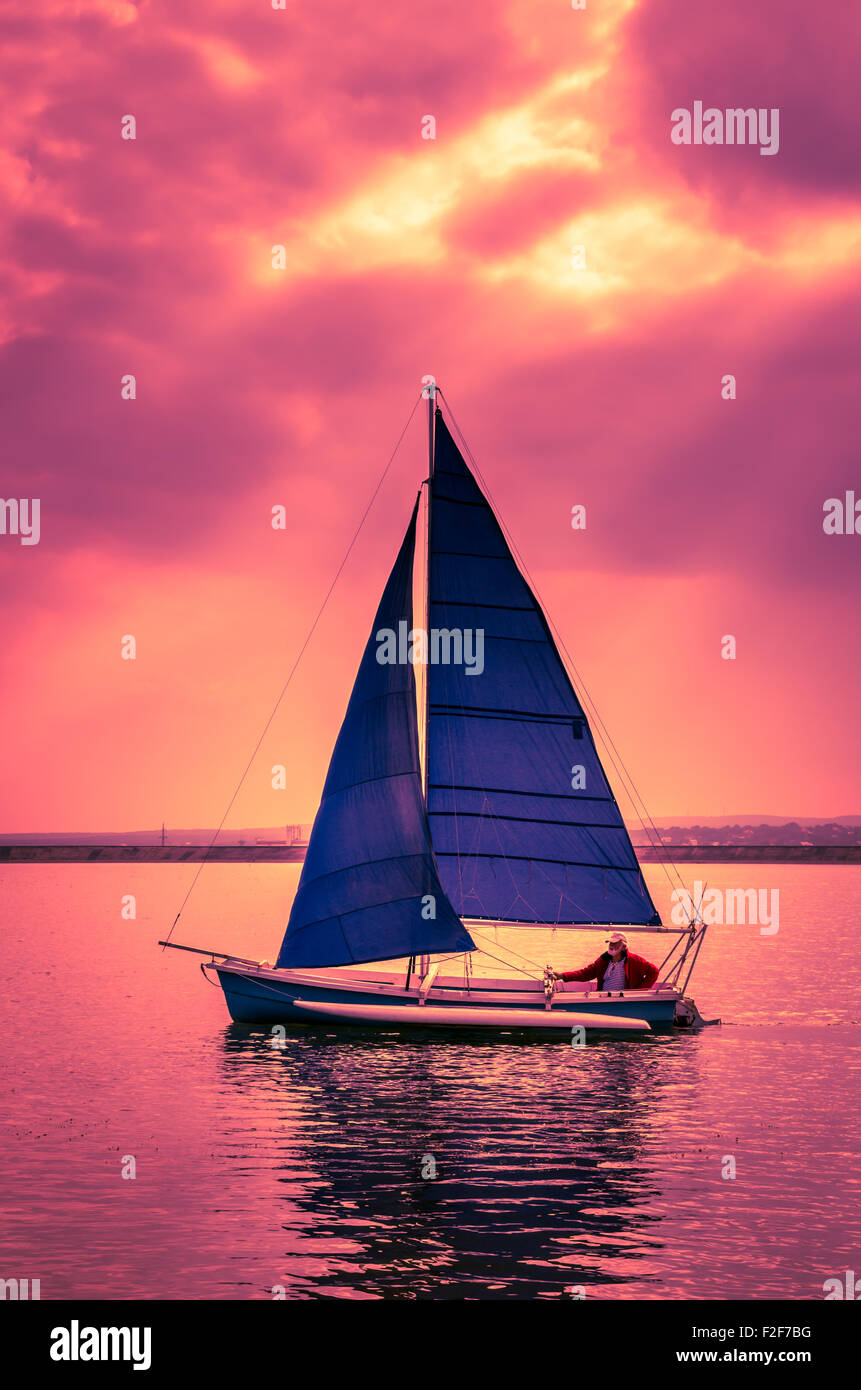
(426, 841)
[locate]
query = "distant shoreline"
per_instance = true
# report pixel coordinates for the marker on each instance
(295, 854)
(752, 854)
(151, 854)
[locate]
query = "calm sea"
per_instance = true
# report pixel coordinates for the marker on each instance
(302, 1167)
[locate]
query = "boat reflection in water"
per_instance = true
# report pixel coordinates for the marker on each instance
(547, 1180)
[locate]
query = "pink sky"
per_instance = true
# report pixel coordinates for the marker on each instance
(407, 256)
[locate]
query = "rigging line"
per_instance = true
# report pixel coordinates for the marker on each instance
(490, 818)
(570, 896)
(510, 949)
(510, 964)
(615, 756)
(294, 667)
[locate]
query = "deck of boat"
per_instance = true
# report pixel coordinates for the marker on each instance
(264, 994)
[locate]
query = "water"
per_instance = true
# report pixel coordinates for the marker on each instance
(302, 1167)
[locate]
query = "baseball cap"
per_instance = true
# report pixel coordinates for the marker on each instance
(618, 936)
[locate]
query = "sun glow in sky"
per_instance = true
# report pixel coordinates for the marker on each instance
(594, 383)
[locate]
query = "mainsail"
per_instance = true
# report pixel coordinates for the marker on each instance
(369, 882)
(519, 833)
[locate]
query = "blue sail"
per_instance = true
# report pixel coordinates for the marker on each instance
(369, 880)
(519, 833)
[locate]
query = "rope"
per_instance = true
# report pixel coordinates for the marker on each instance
(294, 667)
(500, 961)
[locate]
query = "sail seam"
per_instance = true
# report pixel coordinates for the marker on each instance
(518, 715)
(479, 555)
(514, 791)
(506, 636)
(476, 603)
(384, 777)
(540, 859)
(365, 864)
(537, 820)
(458, 501)
(367, 907)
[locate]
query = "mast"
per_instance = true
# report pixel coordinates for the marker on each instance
(424, 961)
(431, 392)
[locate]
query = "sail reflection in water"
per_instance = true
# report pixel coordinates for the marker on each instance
(543, 1176)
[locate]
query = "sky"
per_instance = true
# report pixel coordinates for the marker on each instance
(591, 377)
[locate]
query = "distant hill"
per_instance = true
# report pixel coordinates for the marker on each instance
(661, 821)
(678, 830)
(772, 832)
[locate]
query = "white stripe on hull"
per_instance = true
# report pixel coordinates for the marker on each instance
(479, 1016)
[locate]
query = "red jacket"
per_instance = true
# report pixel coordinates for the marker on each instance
(639, 972)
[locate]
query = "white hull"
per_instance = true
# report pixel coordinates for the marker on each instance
(476, 1016)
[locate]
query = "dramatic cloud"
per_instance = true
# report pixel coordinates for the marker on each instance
(579, 284)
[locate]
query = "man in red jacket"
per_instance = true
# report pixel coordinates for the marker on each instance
(616, 968)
